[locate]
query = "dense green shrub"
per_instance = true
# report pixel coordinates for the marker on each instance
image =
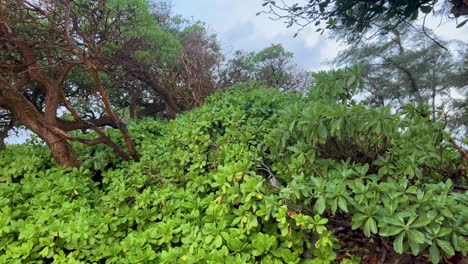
(254, 175)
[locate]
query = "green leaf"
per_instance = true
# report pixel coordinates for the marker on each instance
(434, 254)
(394, 220)
(370, 227)
(322, 131)
(208, 239)
(421, 222)
(398, 243)
(358, 217)
(390, 231)
(415, 236)
(462, 23)
(320, 205)
(444, 231)
(426, 9)
(356, 224)
(218, 241)
(351, 80)
(322, 221)
(342, 204)
(366, 228)
(44, 252)
(446, 247)
(415, 248)
(412, 189)
(446, 212)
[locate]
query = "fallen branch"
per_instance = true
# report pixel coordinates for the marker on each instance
(271, 177)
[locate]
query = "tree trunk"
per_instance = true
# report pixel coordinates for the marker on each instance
(133, 104)
(27, 114)
(171, 107)
(61, 149)
(4, 134)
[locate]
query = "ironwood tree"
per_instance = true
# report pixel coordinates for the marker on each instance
(404, 66)
(273, 66)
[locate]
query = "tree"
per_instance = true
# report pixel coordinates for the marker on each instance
(169, 67)
(41, 44)
(273, 66)
(356, 18)
(139, 63)
(404, 66)
(239, 68)
(199, 57)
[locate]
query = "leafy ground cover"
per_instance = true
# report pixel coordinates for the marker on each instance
(253, 176)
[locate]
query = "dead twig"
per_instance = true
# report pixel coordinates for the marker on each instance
(273, 180)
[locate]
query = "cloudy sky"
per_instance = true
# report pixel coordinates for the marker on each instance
(238, 27)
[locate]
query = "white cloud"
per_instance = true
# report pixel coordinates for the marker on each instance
(310, 36)
(329, 50)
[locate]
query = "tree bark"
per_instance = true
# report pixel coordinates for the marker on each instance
(27, 114)
(133, 104)
(460, 8)
(2, 144)
(107, 106)
(171, 106)
(150, 109)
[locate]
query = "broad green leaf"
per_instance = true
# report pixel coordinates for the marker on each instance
(359, 217)
(208, 239)
(342, 204)
(415, 236)
(412, 189)
(446, 212)
(446, 247)
(218, 241)
(398, 243)
(320, 205)
(434, 254)
(390, 230)
(394, 220)
(370, 227)
(415, 247)
(444, 231)
(421, 222)
(322, 221)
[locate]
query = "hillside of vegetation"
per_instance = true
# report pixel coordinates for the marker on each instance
(254, 175)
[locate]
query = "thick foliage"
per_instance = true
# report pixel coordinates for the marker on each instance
(389, 171)
(254, 175)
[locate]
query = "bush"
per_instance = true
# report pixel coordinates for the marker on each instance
(254, 175)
